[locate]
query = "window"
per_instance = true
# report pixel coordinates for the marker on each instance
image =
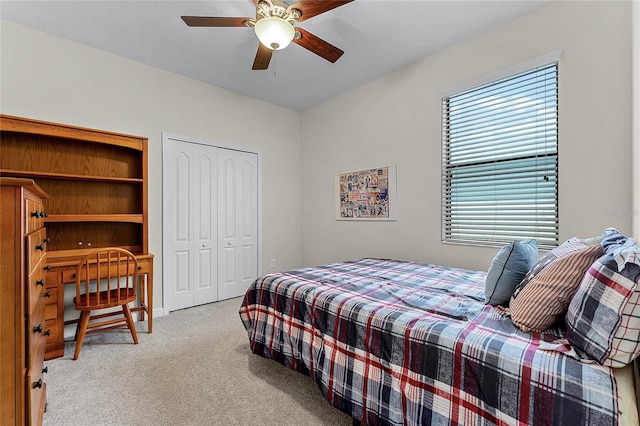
(500, 160)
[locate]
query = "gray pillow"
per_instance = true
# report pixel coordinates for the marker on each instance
(507, 269)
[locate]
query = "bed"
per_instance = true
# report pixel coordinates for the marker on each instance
(394, 342)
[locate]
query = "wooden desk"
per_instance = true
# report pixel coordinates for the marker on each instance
(61, 272)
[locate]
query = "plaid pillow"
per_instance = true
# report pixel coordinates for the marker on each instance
(603, 320)
(612, 237)
(548, 294)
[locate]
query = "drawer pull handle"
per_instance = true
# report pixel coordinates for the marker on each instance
(37, 384)
(47, 333)
(37, 329)
(47, 294)
(139, 268)
(45, 370)
(40, 247)
(47, 268)
(40, 282)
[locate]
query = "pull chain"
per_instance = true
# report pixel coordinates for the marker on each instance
(274, 62)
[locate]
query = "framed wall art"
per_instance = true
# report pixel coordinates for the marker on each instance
(368, 194)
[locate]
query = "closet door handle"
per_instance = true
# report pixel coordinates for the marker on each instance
(37, 384)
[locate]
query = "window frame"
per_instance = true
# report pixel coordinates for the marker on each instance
(526, 69)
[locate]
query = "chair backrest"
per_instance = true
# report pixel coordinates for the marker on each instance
(106, 277)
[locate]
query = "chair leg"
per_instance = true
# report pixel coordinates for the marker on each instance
(132, 328)
(75, 337)
(80, 331)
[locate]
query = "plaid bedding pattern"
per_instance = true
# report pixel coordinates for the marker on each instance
(394, 343)
(602, 319)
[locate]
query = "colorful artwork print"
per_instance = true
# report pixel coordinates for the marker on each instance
(364, 194)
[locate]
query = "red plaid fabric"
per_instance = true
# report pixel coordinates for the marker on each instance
(603, 318)
(394, 343)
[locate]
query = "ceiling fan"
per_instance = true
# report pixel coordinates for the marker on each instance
(274, 26)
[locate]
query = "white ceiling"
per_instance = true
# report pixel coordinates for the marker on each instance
(377, 36)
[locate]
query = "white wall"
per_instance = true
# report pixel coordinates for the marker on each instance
(48, 78)
(396, 119)
(636, 119)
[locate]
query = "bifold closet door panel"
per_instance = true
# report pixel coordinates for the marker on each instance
(190, 224)
(237, 222)
(205, 221)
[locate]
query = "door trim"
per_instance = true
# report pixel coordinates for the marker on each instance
(165, 138)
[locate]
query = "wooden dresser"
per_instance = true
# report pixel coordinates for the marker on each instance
(23, 266)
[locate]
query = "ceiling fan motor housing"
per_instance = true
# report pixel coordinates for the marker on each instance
(278, 9)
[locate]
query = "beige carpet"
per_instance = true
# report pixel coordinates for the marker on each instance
(195, 369)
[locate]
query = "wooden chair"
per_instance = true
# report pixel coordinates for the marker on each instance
(105, 278)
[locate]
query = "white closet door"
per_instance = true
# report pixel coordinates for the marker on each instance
(205, 228)
(190, 218)
(237, 222)
(178, 224)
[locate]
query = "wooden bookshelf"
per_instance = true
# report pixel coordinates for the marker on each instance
(97, 186)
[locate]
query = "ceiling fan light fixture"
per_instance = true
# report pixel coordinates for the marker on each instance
(274, 33)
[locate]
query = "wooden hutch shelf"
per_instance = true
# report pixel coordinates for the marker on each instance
(98, 189)
(126, 218)
(30, 174)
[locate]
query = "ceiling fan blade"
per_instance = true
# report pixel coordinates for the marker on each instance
(311, 8)
(209, 21)
(263, 57)
(318, 46)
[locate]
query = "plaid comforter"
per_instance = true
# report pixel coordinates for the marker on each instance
(393, 342)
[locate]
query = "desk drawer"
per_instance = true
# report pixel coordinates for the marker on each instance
(54, 313)
(55, 329)
(51, 311)
(36, 248)
(36, 331)
(35, 287)
(36, 388)
(51, 303)
(69, 275)
(35, 215)
(144, 266)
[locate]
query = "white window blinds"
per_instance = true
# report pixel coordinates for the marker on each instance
(500, 160)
